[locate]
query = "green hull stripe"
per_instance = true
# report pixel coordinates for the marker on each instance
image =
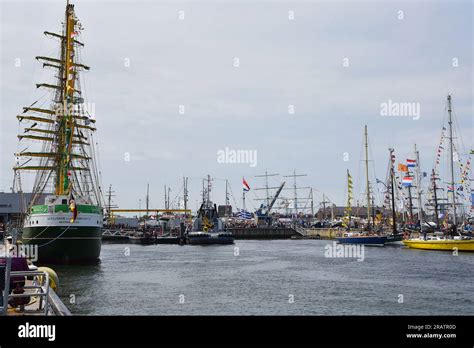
(64, 208)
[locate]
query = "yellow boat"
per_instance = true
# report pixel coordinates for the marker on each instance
(441, 244)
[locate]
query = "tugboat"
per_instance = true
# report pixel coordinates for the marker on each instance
(208, 228)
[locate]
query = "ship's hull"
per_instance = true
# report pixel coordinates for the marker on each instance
(394, 239)
(204, 238)
(447, 245)
(364, 240)
(61, 242)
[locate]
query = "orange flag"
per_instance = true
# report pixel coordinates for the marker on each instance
(402, 168)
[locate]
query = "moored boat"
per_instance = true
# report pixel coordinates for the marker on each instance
(208, 227)
(441, 244)
(205, 238)
(367, 237)
(451, 239)
(351, 238)
(64, 218)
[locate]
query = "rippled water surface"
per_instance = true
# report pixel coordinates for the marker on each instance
(263, 277)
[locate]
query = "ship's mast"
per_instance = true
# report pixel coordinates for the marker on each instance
(451, 159)
(295, 188)
(410, 203)
(435, 189)
(418, 189)
(266, 188)
(66, 128)
(227, 202)
(243, 195)
(367, 175)
(66, 161)
(147, 202)
(185, 193)
(392, 187)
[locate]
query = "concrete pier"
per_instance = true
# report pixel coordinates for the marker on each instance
(320, 233)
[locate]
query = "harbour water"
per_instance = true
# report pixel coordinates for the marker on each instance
(280, 277)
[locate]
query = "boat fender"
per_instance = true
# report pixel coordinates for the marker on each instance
(53, 277)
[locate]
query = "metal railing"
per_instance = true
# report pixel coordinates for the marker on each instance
(299, 230)
(39, 288)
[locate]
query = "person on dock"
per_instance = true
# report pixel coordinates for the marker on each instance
(17, 283)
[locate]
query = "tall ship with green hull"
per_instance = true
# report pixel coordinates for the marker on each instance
(64, 218)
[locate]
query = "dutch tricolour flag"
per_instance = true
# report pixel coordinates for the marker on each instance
(407, 181)
(411, 163)
(246, 186)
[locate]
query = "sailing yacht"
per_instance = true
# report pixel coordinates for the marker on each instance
(445, 241)
(366, 237)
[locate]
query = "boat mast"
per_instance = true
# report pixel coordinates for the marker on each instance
(451, 158)
(410, 205)
(435, 189)
(324, 207)
(266, 188)
(147, 197)
(243, 195)
(392, 186)
(418, 189)
(349, 198)
(295, 188)
(185, 193)
(67, 123)
(367, 176)
(226, 193)
(208, 191)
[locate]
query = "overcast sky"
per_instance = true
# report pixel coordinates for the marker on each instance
(403, 56)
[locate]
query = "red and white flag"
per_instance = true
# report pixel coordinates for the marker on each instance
(246, 186)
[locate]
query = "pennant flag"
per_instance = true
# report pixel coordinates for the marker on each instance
(402, 168)
(246, 186)
(407, 181)
(450, 189)
(411, 163)
(72, 207)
